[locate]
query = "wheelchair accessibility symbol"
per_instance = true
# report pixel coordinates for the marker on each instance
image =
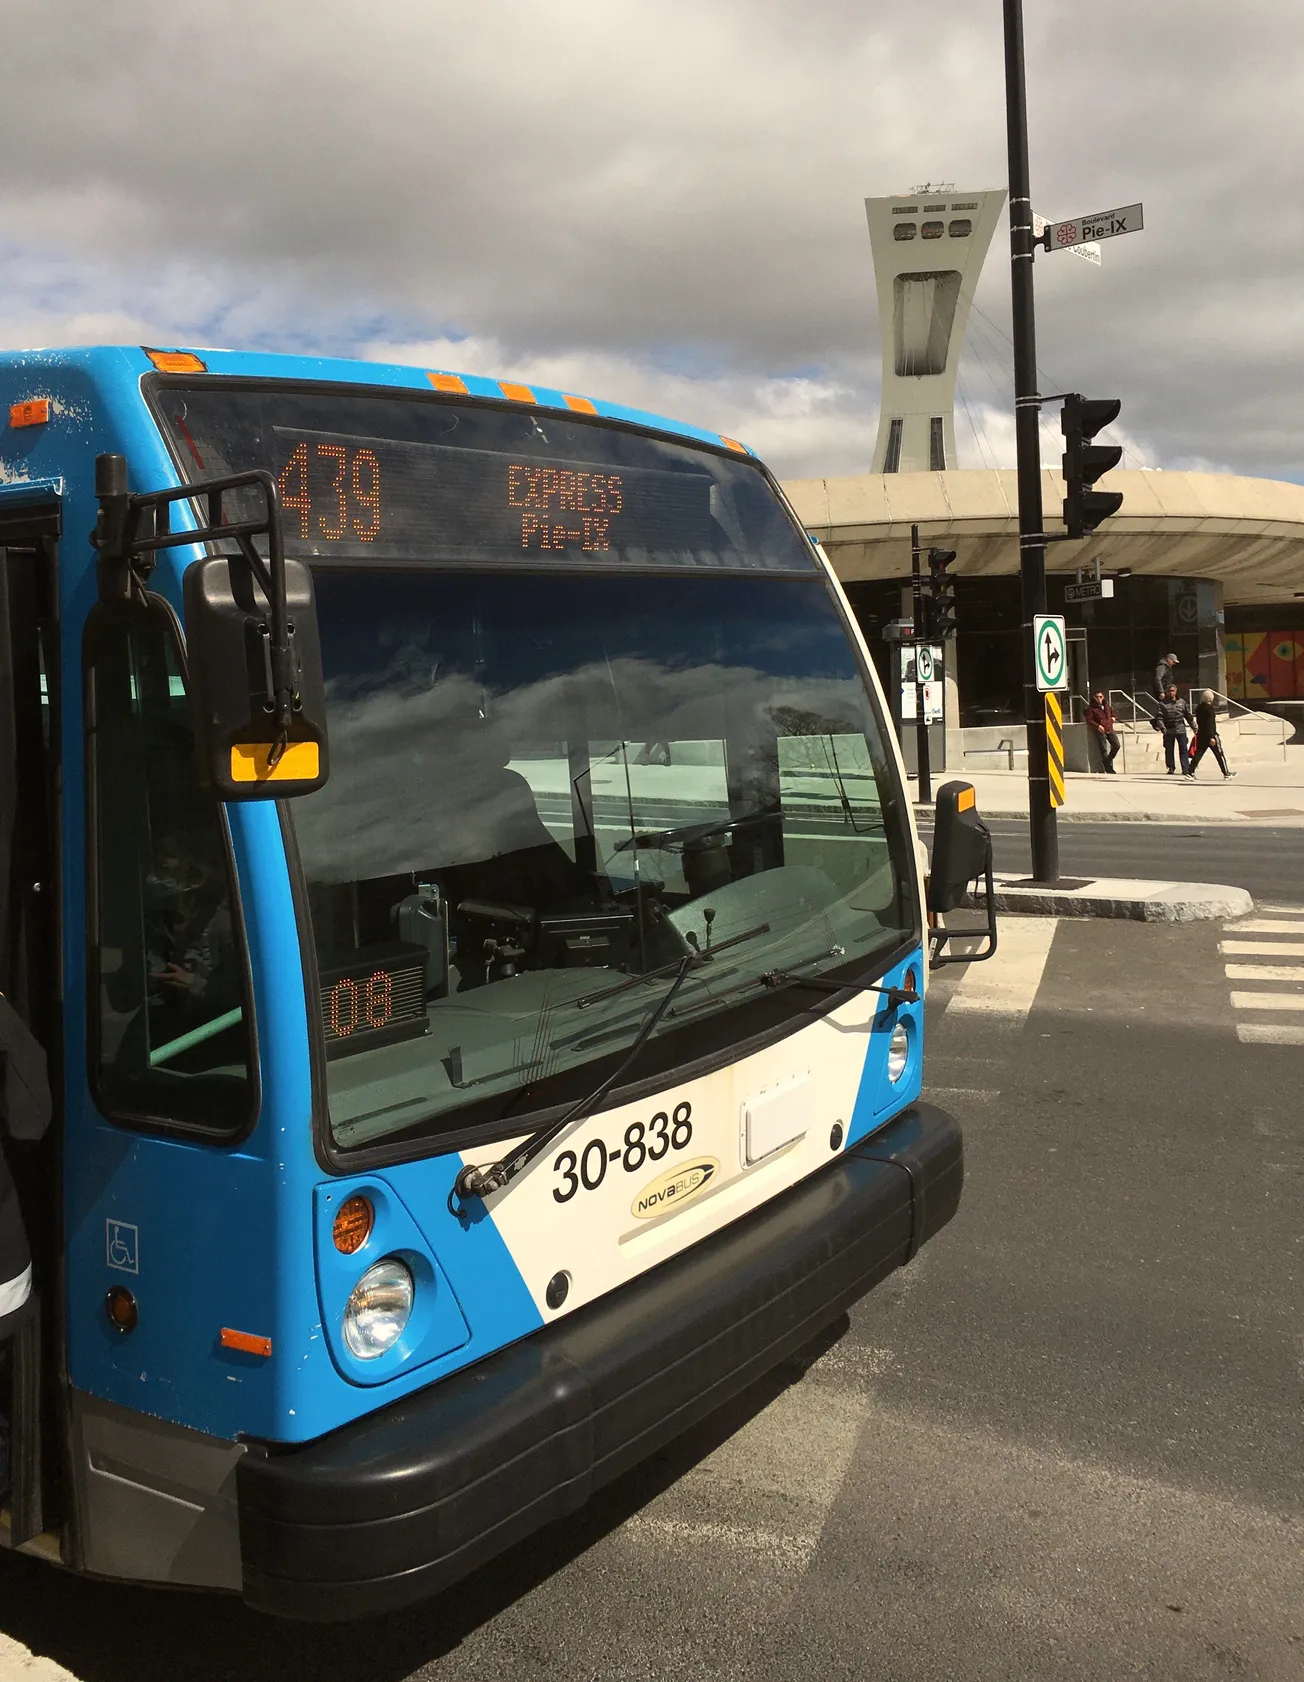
(122, 1246)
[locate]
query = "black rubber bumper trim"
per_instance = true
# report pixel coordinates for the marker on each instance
(400, 1504)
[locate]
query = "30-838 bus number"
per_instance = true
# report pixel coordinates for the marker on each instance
(644, 1142)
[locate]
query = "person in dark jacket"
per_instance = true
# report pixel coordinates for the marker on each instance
(1164, 674)
(25, 1107)
(1206, 734)
(1100, 722)
(1174, 720)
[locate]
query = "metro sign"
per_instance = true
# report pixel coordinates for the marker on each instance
(1101, 224)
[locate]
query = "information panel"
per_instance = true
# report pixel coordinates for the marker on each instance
(339, 492)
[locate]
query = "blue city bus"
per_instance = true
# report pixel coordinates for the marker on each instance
(455, 861)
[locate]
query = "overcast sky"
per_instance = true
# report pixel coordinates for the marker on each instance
(662, 202)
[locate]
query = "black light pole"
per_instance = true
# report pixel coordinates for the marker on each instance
(1027, 413)
(923, 765)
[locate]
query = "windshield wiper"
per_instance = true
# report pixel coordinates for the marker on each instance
(479, 1182)
(654, 840)
(785, 978)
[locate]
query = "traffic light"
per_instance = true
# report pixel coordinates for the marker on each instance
(1080, 420)
(941, 606)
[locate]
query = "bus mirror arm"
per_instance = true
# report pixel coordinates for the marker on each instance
(254, 673)
(962, 852)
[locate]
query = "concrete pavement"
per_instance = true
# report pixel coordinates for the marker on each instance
(1271, 793)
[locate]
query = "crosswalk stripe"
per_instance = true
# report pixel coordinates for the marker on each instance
(1007, 986)
(1263, 925)
(1261, 948)
(1267, 1001)
(1270, 1033)
(1264, 972)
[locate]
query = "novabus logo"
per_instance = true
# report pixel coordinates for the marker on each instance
(677, 1185)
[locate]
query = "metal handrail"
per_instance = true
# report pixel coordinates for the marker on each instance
(1234, 707)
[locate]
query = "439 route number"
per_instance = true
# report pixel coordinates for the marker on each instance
(643, 1142)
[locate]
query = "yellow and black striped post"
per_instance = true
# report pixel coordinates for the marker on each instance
(1055, 749)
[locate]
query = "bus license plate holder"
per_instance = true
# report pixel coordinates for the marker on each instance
(774, 1118)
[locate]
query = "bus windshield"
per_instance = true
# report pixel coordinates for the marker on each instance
(551, 786)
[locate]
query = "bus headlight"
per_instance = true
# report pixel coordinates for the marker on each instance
(898, 1052)
(379, 1309)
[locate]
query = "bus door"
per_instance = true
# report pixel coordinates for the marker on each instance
(30, 969)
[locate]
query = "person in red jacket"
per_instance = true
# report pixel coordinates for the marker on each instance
(1100, 722)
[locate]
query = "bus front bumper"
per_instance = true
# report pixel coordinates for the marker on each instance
(400, 1504)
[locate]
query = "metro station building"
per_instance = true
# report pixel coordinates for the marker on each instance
(1207, 566)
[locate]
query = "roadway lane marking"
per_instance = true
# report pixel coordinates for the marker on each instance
(1264, 972)
(1007, 984)
(1270, 1033)
(1263, 925)
(1261, 948)
(767, 1491)
(1284, 910)
(1267, 1001)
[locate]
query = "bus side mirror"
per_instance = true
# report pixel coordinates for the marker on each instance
(241, 753)
(962, 852)
(253, 656)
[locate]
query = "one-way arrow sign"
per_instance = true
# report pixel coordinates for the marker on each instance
(1048, 641)
(1101, 224)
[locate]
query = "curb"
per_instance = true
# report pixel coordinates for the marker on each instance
(1137, 902)
(1185, 819)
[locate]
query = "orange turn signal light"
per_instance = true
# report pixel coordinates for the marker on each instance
(353, 1223)
(35, 412)
(249, 1343)
(175, 361)
(120, 1306)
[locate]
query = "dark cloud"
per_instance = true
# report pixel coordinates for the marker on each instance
(669, 190)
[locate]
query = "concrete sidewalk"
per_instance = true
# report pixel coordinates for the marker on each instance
(1270, 793)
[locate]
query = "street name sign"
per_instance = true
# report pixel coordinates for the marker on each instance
(1049, 642)
(1093, 590)
(1101, 224)
(1089, 253)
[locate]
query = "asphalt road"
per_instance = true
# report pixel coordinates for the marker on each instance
(1268, 863)
(1065, 1443)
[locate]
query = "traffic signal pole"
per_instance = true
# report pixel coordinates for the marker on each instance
(921, 631)
(1027, 414)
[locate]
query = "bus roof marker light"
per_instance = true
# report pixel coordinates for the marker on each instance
(733, 444)
(581, 405)
(354, 1220)
(448, 382)
(34, 412)
(175, 361)
(516, 393)
(248, 1343)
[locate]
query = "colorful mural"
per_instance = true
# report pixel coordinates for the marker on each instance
(1265, 665)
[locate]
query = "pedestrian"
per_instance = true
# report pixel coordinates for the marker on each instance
(1100, 722)
(1206, 734)
(25, 1114)
(1164, 675)
(1174, 720)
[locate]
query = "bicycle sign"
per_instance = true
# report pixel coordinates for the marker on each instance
(1049, 643)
